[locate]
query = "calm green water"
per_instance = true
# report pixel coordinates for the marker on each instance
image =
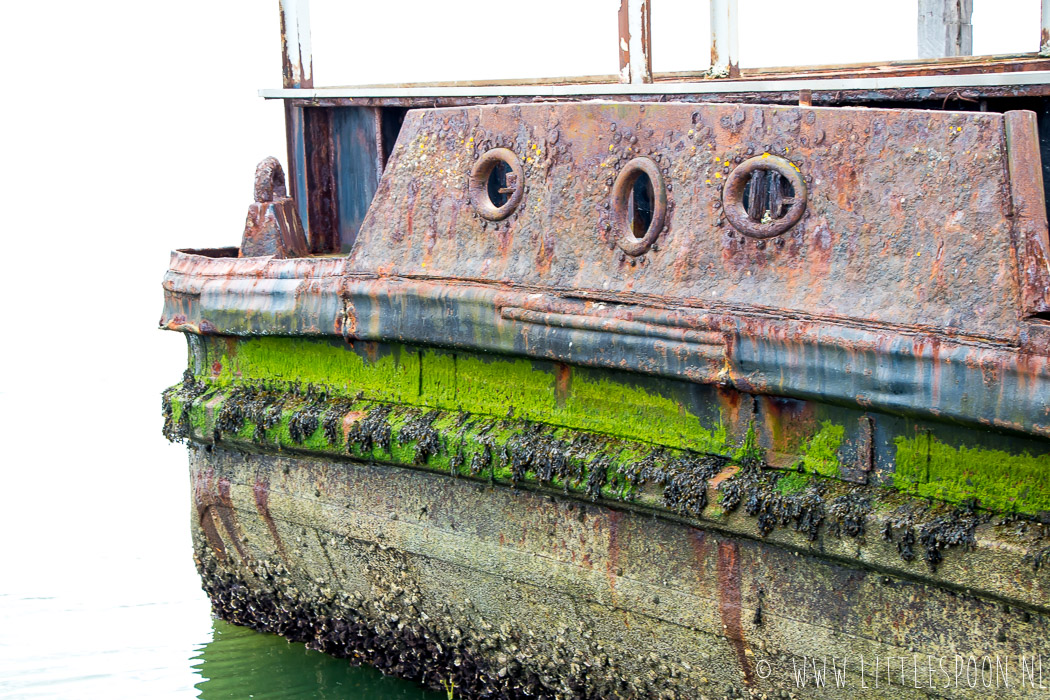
(240, 663)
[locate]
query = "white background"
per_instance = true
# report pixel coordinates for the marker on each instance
(131, 128)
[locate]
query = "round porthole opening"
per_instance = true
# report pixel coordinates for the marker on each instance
(764, 196)
(767, 196)
(497, 184)
(639, 205)
(500, 186)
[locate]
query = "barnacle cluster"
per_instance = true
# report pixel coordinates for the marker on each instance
(396, 630)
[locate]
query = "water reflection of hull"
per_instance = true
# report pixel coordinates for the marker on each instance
(240, 663)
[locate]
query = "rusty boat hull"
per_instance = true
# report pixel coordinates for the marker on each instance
(524, 446)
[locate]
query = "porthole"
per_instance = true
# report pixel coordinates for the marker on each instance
(764, 196)
(639, 205)
(497, 183)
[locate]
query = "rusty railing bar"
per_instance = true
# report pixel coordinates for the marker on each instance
(636, 60)
(720, 86)
(296, 50)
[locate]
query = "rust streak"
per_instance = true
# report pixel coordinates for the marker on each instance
(262, 504)
(613, 565)
(224, 509)
(203, 501)
(729, 605)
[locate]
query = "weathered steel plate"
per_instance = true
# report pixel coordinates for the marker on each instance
(908, 219)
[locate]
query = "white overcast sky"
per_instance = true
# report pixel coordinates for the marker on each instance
(418, 41)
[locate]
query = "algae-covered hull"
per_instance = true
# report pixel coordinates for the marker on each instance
(517, 557)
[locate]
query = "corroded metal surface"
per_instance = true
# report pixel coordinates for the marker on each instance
(913, 283)
(273, 227)
(908, 219)
(708, 467)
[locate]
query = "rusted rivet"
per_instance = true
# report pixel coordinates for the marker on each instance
(780, 242)
(760, 244)
(634, 139)
(612, 127)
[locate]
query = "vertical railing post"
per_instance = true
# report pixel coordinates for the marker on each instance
(636, 61)
(725, 51)
(296, 52)
(1044, 27)
(297, 68)
(944, 28)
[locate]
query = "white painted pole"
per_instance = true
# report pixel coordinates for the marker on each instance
(636, 61)
(298, 60)
(944, 28)
(725, 49)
